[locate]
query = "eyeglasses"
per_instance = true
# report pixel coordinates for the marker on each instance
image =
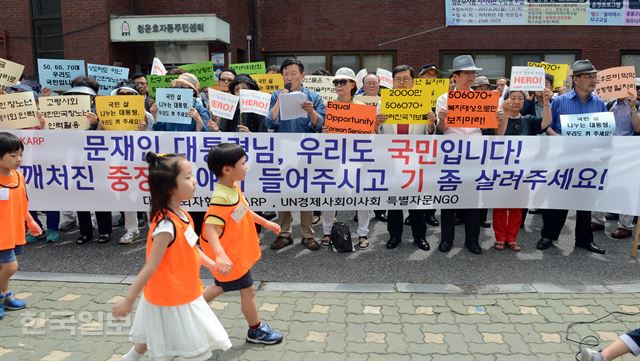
(340, 82)
(402, 80)
(371, 83)
(225, 80)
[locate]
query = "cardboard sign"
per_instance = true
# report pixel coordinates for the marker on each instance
(107, 76)
(527, 78)
(321, 84)
(269, 83)
(250, 68)
(159, 81)
(67, 112)
(174, 105)
(386, 78)
(436, 87)
(616, 83)
(416, 100)
(18, 111)
(350, 118)
(10, 73)
(588, 125)
(560, 72)
(57, 74)
(472, 109)
(369, 100)
(252, 101)
(222, 104)
(120, 112)
(157, 68)
(203, 71)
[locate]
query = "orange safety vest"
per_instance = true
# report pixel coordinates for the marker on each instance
(177, 279)
(239, 238)
(13, 210)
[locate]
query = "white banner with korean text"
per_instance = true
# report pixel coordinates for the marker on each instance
(93, 170)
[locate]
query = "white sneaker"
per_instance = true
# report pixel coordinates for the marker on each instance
(129, 237)
(590, 355)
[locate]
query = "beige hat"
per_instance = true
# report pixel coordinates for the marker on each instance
(481, 80)
(345, 73)
(187, 79)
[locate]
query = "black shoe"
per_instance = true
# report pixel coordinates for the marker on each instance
(611, 216)
(393, 243)
(473, 248)
(592, 247)
(432, 220)
(269, 216)
(485, 225)
(83, 239)
(422, 244)
(445, 246)
(141, 223)
(381, 216)
(535, 211)
(355, 218)
(407, 221)
(544, 243)
(104, 238)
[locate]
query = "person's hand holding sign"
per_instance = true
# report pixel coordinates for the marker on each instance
(193, 113)
(92, 117)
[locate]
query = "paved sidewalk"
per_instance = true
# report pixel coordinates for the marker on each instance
(71, 321)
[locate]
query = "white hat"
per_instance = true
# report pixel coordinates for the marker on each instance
(464, 62)
(80, 90)
(345, 73)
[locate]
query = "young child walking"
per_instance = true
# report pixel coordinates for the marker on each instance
(627, 343)
(172, 318)
(229, 236)
(14, 212)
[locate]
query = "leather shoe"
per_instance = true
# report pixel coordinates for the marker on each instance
(422, 244)
(445, 246)
(621, 233)
(597, 227)
(432, 220)
(544, 243)
(592, 247)
(473, 248)
(311, 244)
(381, 216)
(393, 243)
(83, 239)
(281, 242)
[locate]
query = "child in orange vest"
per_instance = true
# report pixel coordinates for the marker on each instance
(172, 318)
(14, 211)
(229, 236)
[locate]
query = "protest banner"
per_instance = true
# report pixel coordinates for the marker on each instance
(321, 84)
(369, 100)
(249, 68)
(107, 76)
(159, 81)
(588, 125)
(18, 111)
(157, 68)
(10, 73)
(386, 78)
(560, 72)
(120, 112)
(252, 101)
(67, 112)
(57, 74)
(472, 109)
(203, 71)
(350, 118)
(222, 104)
(527, 78)
(436, 87)
(360, 76)
(174, 105)
(616, 83)
(269, 83)
(416, 100)
(304, 171)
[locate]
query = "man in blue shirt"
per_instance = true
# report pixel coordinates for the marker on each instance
(580, 100)
(293, 73)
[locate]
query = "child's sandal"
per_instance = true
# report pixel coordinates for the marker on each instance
(514, 246)
(326, 240)
(363, 242)
(499, 246)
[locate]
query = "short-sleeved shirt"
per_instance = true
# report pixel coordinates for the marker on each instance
(222, 195)
(570, 103)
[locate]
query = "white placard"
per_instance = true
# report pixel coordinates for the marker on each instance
(588, 125)
(222, 104)
(386, 78)
(291, 106)
(252, 101)
(527, 78)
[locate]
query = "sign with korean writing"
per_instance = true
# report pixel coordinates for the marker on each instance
(222, 104)
(302, 171)
(369, 100)
(269, 83)
(10, 73)
(200, 27)
(321, 84)
(57, 74)
(416, 100)
(543, 12)
(159, 81)
(67, 112)
(472, 109)
(174, 105)
(120, 112)
(18, 111)
(560, 72)
(436, 87)
(252, 101)
(527, 78)
(107, 76)
(258, 67)
(386, 78)
(616, 83)
(588, 125)
(202, 71)
(350, 118)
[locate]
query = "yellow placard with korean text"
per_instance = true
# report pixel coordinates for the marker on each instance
(436, 87)
(269, 83)
(120, 112)
(560, 72)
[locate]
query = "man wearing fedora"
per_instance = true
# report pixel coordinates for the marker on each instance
(580, 100)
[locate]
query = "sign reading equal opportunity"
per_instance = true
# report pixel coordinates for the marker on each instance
(350, 118)
(416, 100)
(18, 111)
(472, 109)
(616, 83)
(120, 112)
(68, 112)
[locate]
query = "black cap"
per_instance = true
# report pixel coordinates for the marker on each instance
(428, 67)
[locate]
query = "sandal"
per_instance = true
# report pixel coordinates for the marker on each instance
(363, 242)
(499, 246)
(326, 240)
(514, 246)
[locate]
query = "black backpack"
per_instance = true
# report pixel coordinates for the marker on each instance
(341, 238)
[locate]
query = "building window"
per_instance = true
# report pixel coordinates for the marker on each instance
(47, 29)
(335, 61)
(631, 60)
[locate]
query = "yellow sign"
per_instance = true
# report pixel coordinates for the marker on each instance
(18, 111)
(416, 100)
(67, 112)
(120, 112)
(269, 83)
(560, 72)
(436, 87)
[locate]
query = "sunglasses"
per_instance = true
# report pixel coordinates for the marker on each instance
(341, 82)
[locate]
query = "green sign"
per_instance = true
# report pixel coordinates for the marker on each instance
(250, 68)
(202, 71)
(159, 81)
